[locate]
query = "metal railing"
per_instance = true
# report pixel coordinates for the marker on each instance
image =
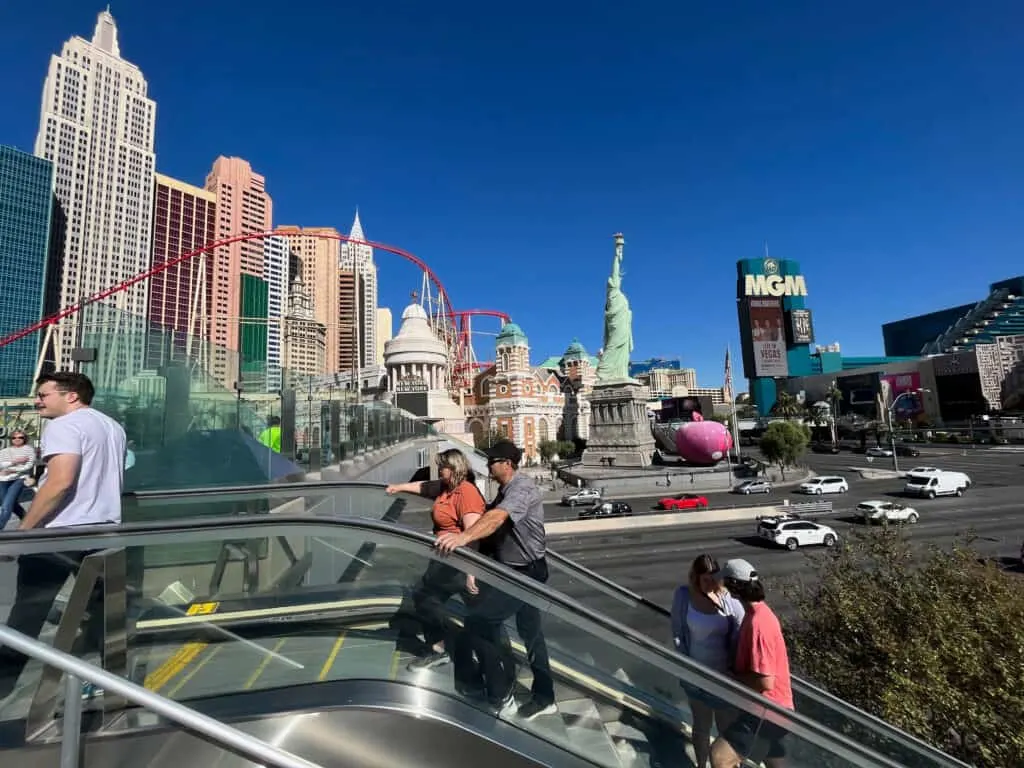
(77, 671)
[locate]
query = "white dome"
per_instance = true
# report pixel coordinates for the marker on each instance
(415, 342)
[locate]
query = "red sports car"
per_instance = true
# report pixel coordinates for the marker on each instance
(685, 501)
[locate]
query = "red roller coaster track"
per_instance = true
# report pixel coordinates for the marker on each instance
(466, 365)
(143, 276)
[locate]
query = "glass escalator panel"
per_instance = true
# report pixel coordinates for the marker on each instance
(287, 604)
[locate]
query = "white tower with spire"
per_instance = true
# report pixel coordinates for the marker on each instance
(358, 259)
(97, 127)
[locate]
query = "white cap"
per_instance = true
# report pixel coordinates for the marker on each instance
(738, 570)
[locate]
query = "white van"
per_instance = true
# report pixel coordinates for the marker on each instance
(936, 482)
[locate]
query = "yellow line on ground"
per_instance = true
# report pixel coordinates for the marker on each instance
(393, 672)
(263, 665)
(173, 666)
(326, 669)
(193, 672)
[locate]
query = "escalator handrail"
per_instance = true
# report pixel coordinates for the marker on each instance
(800, 686)
(216, 732)
(813, 731)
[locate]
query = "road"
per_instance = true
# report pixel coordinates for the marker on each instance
(653, 562)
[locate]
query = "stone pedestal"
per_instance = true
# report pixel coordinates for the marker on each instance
(620, 432)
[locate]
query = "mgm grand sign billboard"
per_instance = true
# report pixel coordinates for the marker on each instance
(771, 284)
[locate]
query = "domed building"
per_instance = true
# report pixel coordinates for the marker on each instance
(513, 398)
(416, 365)
(578, 371)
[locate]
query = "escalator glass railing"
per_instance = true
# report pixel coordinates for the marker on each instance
(605, 597)
(299, 601)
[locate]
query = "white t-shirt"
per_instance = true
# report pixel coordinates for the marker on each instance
(100, 441)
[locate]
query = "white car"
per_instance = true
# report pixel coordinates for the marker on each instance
(879, 452)
(825, 484)
(797, 533)
(886, 511)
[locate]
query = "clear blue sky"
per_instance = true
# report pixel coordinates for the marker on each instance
(879, 144)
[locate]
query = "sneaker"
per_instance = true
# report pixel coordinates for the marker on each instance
(506, 707)
(430, 661)
(534, 708)
(470, 691)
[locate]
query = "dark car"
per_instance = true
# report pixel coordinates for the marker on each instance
(607, 509)
(825, 448)
(907, 450)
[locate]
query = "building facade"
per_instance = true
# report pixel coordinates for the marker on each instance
(305, 339)
(97, 127)
(385, 331)
(243, 207)
(181, 297)
(275, 271)
(357, 260)
(523, 403)
(318, 250)
(26, 214)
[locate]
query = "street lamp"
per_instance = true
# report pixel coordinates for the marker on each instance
(892, 432)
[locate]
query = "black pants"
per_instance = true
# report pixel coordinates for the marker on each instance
(482, 652)
(40, 579)
(423, 611)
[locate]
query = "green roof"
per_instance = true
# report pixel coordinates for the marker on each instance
(511, 335)
(575, 351)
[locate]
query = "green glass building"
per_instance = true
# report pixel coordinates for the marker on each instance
(252, 333)
(26, 213)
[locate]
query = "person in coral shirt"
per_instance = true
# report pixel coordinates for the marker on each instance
(762, 664)
(458, 504)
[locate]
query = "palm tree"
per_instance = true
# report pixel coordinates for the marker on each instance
(786, 406)
(834, 398)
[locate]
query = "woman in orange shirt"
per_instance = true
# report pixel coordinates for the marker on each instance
(458, 504)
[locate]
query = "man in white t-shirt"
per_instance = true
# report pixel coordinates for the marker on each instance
(84, 452)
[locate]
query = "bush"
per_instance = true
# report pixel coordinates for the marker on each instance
(784, 443)
(932, 642)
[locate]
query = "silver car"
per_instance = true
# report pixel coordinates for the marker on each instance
(748, 487)
(581, 496)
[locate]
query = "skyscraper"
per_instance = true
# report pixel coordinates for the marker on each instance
(243, 207)
(26, 206)
(275, 271)
(320, 257)
(304, 338)
(358, 259)
(97, 127)
(181, 297)
(385, 325)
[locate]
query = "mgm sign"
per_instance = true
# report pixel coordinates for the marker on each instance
(771, 283)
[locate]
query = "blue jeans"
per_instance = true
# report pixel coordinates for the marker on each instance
(10, 492)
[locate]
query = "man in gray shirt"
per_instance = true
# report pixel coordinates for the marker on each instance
(512, 532)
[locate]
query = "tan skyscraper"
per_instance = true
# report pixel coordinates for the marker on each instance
(304, 338)
(385, 324)
(358, 259)
(320, 259)
(97, 128)
(243, 207)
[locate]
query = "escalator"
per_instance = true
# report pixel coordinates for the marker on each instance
(284, 634)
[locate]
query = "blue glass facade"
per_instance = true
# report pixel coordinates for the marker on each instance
(26, 207)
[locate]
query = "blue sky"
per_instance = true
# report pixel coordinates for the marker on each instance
(879, 144)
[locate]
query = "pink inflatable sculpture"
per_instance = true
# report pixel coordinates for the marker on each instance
(703, 442)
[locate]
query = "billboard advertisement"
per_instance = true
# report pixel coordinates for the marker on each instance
(860, 394)
(894, 390)
(767, 337)
(799, 327)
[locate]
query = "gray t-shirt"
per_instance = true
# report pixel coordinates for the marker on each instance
(522, 499)
(100, 442)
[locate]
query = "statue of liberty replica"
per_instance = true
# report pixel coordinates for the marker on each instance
(620, 431)
(618, 327)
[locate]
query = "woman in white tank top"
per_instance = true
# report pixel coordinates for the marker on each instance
(705, 626)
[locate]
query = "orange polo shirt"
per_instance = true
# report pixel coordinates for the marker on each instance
(451, 507)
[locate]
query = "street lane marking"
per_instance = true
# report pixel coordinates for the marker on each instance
(326, 669)
(393, 671)
(262, 667)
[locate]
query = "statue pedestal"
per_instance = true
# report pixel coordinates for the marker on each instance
(620, 432)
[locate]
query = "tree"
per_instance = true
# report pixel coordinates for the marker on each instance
(931, 641)
(786, 406)
(489, 438)
(560, 448)
(784, 442)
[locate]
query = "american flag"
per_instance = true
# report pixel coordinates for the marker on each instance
(728, 376)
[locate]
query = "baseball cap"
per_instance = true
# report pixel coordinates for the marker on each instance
(738, 570)
(504, 450)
